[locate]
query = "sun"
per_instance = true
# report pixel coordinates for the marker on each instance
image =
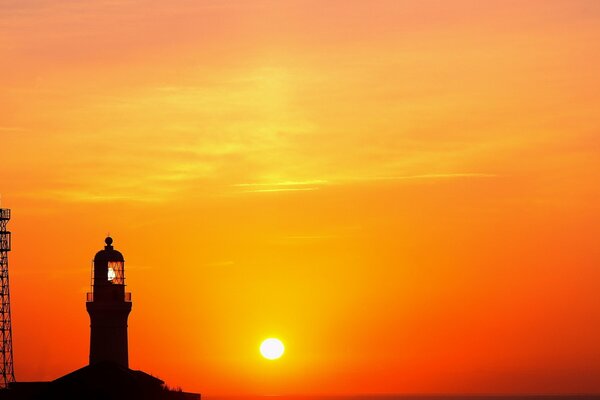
(271, 348)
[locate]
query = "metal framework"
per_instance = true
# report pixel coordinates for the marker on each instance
(7, 373)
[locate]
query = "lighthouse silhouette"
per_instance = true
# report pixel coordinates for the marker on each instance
(109, 306)
(107, 376)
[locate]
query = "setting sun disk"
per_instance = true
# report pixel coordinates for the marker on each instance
(272, 348)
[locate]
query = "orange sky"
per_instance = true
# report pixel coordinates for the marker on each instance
(405, 192)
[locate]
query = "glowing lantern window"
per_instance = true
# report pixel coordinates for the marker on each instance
(116, 272)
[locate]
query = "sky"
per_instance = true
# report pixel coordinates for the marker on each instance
(404, 192)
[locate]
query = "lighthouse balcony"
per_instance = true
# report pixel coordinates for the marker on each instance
(89, 297)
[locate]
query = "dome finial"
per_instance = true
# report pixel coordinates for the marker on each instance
(108, 240)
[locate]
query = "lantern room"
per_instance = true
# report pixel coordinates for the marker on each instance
(108, 275)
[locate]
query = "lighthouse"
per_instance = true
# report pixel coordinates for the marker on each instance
(109, 306)
(108, 375)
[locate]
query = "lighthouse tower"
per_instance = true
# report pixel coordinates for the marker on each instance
(108, 305)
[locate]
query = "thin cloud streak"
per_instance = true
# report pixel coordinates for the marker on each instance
(286, 183)
(436, 176)
(289, 185)
(280, 190)
(312, 237)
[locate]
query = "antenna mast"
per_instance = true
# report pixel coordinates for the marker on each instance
(7, 373)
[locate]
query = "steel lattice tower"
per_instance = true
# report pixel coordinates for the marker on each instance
(7, 373)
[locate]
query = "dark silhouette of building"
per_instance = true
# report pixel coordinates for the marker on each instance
(107, 377)
(109, 306)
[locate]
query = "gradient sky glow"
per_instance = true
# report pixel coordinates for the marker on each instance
(405, 192)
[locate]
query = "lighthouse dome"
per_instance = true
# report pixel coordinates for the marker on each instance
(109, 253)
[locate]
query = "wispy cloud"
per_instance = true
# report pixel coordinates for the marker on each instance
(123, 195)
(315, 184)
(434, 176)
(286, 183)
(280, 190)
(285, 186)
(312, 237)
(447, 175)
